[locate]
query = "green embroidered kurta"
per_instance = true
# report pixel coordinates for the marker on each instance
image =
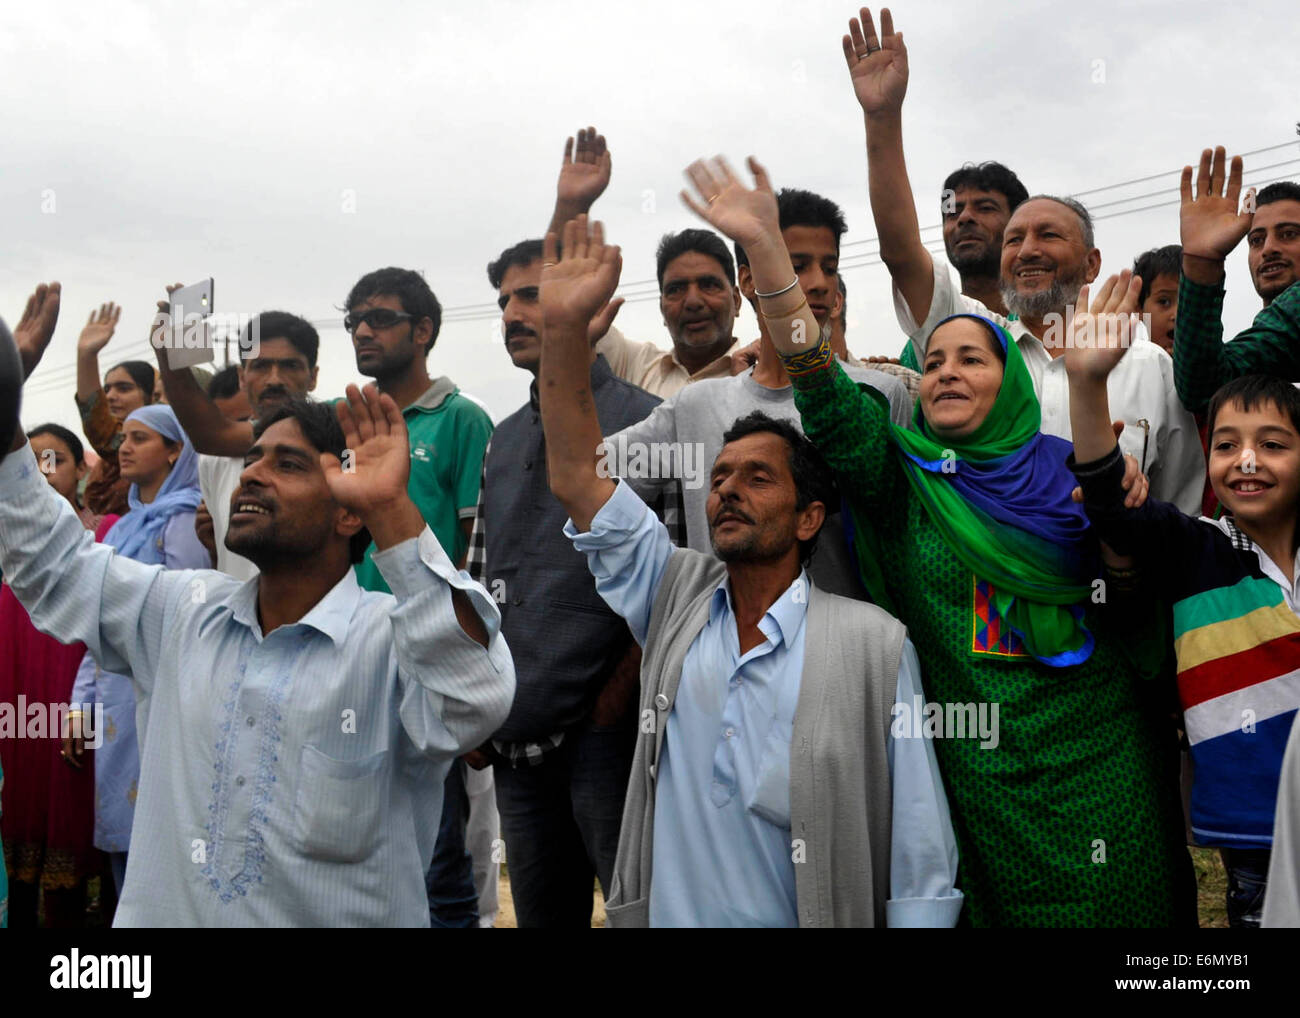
(1073, 819)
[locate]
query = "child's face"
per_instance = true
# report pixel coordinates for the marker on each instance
(1255, 464)
(1162, 305)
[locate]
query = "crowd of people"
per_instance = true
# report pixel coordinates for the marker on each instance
(748, 633)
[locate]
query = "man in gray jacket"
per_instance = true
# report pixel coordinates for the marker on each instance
(766, 770)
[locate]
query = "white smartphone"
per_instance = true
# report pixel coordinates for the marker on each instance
(191, 335)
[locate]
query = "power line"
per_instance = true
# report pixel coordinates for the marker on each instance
(1165, 190)
(1156, 176)
(1112, 187)
(1178, 201)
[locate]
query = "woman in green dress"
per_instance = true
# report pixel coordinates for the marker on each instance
(965, 529)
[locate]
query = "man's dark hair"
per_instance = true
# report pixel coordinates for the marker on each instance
(521, 255)
(1159, 261)
(141, 373)
(705, 242)
(300, 333)
(814, 481)
(989, 176)
(320, 426)
(803, 208)
(63, 435)
(224, 384)
(407, 286)
(1251, 391)
(1282, 190)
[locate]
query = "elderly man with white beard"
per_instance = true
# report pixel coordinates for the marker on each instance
(1048, 253)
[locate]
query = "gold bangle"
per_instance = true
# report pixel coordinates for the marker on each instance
(786, 314)
(75, 714)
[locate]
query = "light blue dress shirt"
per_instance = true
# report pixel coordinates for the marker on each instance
(722, 802)
(292, 778)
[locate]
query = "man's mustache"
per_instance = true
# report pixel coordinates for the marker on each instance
(732, 513)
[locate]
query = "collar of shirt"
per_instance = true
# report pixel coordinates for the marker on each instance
(1031, 347)
(781, 622)
(600, 376)
(710, 370)
(1242, 542)
(434, 396)
(331, 615)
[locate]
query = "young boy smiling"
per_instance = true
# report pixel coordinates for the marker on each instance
(1232, 584)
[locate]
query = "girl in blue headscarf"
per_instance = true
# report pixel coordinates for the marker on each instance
(163, 468)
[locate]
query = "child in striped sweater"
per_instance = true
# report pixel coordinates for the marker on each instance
(1232, 584)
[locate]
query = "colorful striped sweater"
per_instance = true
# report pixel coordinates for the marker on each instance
(1237, 646)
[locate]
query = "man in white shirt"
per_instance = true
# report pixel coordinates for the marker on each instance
(699, 300)
(1047, 255)
(698, 295)
(295, 729)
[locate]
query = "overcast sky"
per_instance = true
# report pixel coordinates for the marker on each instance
(287, 148)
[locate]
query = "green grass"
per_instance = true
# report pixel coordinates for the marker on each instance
(1211, 887)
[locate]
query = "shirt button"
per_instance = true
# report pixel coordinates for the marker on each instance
(528, 464)
(251, 721)
(661, 701)
(240, 781)
(517, 601)
(729, 732)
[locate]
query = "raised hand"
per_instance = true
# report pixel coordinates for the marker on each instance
(99, 328)
(160, 329)
(1210, 222)
(877, 66)
(1098, 337)
(36, 327)
(603, 321)
(746, 216)
(584, 174)
(377, 459)
(575, 287)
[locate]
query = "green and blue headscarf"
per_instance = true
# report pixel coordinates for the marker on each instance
(1001, 500)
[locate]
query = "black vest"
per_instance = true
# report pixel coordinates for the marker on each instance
(565, 640)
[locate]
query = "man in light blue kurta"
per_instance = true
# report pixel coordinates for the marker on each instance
(722, 801)
(761, 789)
(290, 777)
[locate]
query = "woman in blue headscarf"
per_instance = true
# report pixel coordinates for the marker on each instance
(163, 468)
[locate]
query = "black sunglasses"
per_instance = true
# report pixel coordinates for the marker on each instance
(376, 318)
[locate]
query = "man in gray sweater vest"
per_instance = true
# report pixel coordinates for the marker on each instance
(766, 770)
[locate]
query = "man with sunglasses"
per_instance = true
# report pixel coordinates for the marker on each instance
(393, 318)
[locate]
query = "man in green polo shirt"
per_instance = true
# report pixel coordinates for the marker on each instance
(393, 318)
